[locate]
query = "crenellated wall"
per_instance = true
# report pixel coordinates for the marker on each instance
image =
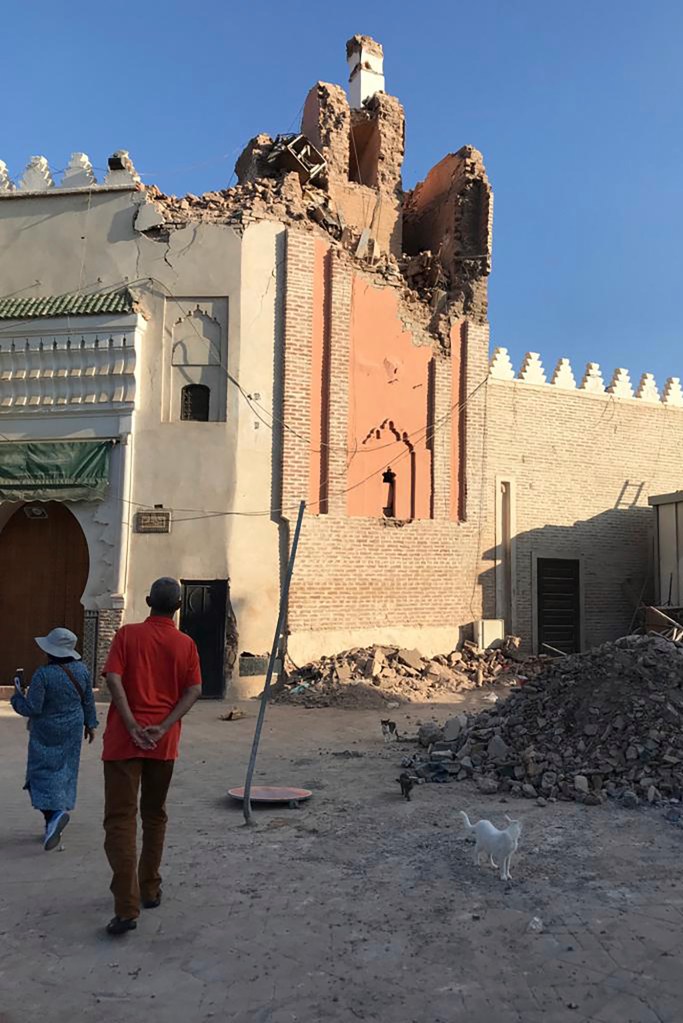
(78, 173)
(592, 381)
(577, 459)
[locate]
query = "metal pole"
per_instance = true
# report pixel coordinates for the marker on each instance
(271, 664)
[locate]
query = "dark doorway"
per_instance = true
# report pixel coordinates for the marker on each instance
(559, 605)
(203, 616)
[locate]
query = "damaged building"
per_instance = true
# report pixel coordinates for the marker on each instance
(176, 374)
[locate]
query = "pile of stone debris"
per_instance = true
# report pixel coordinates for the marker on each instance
(379, 675)
(608, 723)
(282, 197)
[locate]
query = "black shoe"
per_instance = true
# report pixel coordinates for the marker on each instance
(118, 925)
(152, 903)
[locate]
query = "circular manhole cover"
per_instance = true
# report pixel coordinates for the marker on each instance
(272, 794)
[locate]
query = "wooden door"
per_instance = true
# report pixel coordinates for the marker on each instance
(44, 566)
(203, 617)
(559, 608)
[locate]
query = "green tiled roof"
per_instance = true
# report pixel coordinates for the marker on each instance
(104, 302)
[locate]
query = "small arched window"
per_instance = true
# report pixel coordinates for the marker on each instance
(389, 477)
(194, 403)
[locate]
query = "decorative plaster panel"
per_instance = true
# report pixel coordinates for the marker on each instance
(88, 369)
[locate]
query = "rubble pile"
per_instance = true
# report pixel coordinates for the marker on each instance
(374, 676)
(278, 198)
(282, 197)
(605, 723)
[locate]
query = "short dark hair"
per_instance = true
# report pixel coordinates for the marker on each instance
(165, 595)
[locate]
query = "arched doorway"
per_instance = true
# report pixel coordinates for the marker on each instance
(44, 565)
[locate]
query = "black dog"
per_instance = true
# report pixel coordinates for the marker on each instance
(406, 783)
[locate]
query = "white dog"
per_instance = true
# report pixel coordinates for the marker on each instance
(499, 846)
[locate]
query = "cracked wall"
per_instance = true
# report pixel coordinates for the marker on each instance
(61, 242)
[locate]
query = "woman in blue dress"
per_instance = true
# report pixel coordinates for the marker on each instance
(60, 706)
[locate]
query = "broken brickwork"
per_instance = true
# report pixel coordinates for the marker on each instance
(435, 484)
(385, 335)
(326, 121)
(450, 215)
(356, 201)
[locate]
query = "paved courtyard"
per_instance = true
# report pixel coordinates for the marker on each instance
(357, 906)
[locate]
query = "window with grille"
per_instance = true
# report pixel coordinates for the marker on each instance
(194, 403)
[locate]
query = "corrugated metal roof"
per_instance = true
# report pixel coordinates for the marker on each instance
(104, 302)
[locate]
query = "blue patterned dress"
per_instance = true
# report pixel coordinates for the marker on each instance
(56, 717)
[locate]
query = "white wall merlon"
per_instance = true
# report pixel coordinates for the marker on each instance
(366, 70)
(78, 174)
(531, 371)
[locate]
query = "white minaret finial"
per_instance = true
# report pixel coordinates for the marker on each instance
(365, 58)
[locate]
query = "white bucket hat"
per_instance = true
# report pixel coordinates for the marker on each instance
(59, 643)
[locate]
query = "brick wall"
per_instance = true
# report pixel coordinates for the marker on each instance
(108, 624)
(580, 465)
(583, 466)
(299, 264)
(356, 573)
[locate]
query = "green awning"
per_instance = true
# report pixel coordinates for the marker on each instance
(61, 470)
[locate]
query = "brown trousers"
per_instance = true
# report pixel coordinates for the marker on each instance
(123, 779)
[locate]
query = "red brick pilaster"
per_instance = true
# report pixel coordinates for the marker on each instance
(299, 265)
(339, 330)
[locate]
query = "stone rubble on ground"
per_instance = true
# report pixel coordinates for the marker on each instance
(608, 723)
(375, 676)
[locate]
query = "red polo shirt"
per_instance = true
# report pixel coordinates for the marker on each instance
(157, 663)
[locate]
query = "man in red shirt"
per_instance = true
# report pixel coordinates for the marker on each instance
(154, 678)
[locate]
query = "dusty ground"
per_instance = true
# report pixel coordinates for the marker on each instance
(357, 906)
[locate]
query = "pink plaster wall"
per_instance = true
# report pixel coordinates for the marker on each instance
(389, 408)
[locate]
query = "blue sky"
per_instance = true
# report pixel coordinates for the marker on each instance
(576, 108)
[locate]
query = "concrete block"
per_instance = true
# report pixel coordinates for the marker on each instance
(147, 217)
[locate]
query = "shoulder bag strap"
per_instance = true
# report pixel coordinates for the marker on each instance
(73, 682)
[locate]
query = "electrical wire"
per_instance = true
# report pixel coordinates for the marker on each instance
(415, 436)
(198, 513)
(281, 422)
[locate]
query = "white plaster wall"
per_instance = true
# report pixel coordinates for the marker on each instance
(199, 470)
(202, 471)
(253, 542)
